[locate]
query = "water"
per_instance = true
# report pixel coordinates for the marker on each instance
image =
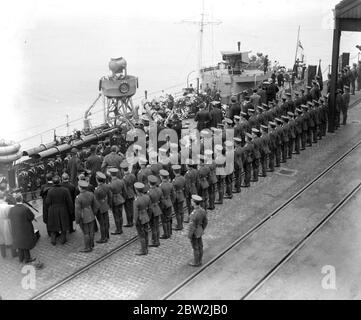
(61, 60)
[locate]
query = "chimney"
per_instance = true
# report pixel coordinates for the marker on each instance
(239, 45)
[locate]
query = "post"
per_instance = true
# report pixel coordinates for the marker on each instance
(197, 85)
(334, 75)
(298, 39)
(146, 94)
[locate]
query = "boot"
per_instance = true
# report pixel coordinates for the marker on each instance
(196, 262)
(143, 249)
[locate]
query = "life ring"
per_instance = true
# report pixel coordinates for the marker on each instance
(8, 148)
(10, 158)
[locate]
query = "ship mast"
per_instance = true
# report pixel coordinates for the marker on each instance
(201, 23)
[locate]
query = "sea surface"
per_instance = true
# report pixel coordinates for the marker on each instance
(61, 61)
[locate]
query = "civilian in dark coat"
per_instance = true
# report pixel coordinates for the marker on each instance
(216, 114)
(203, 118)
(72, 190)
(59, 208)
(22, 229)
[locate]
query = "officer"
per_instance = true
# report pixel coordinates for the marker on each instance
(220, 161)
(252, 121)
(261, 116)
(339, 103)
(168, 195)
(238, 164)
(306, 129)
(118, 190)
(286, 138)
(324, 116)
(143, 173)
(265, 149)
(229, 168)
(203, 177)
(198, 223)
(268, 114)
(314, 116)
(273, 145)
(298, 130)
(288, 129)
(93, 163)
(103, 196)
(112, 160)
(129, 180)
(141, 217)
(155, 194)
(256, 154)
(345, 104)
(212, 178)
(248, 160)
(279, 146)
(85, 207)
(311, 124)
(191, 178)
(179, 183)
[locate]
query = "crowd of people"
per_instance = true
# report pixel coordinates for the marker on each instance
(268, 130)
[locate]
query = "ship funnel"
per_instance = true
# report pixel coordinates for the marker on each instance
(239, 45)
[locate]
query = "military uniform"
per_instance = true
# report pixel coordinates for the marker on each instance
(273, 145)
(155, 194)
(129, 180)
(141, 217)
(179, 183)
(85, 206)
(265, 151)
(118, 189)
(221, 176)
(256, 158)
(248, 151)
(279, 144)
(198, 223)
(166, 206)
(191, 179)
(212, 181)
(238, 165)
(103, 196)
(203, 176)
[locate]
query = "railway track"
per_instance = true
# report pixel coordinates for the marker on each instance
(301, 243)
(255, 228)
(216, 258)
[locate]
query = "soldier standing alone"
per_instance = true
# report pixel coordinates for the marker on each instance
(198, 223)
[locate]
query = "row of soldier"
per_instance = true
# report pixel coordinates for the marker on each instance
(273, 135)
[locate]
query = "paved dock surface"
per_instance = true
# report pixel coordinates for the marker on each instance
(126, 276)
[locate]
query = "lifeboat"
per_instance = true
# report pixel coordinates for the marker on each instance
(9, 151)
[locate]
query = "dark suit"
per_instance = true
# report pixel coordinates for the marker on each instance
(203, 119)
(216, 117)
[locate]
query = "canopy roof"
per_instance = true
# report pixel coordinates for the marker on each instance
(348, 13)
